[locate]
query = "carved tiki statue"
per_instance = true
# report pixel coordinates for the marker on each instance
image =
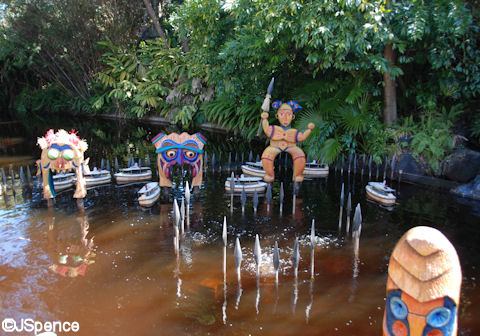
(179, 149)
(283, 138)
(62, 152)
(423, 286)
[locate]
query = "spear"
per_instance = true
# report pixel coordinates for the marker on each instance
(296, 257)
(237, 255)
(276, 261)
(266, 102)
(257, 254)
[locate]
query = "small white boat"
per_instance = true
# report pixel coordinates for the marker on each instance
(251, 184)
(96, 177)
(380, 193)
(149, 194)
(253, 169)
(132, 174)
(63, 181)
(312, 169)
(315, 169)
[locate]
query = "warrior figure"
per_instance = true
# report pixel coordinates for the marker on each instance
(283, 138)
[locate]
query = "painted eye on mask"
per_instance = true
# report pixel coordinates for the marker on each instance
(189, 155)
(171, 153)
(439, 317)
(53, 154)
(68, 154)
(399, 308)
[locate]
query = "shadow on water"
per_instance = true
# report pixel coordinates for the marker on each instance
(114, 268)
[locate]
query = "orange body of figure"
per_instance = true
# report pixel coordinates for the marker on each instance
(423, 286)
(283, 138)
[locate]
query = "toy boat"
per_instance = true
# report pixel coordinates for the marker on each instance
(253, 169)
(149, 194)
(63, 181)
(96, 177)
(380, 193)
(251, 184)
(315, 169)
(132, 174)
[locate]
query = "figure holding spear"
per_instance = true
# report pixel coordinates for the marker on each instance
(283, 138)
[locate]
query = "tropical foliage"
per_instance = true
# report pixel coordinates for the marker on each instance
(216, 58)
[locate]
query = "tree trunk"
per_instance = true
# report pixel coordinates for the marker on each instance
(390, 95)
(155, 21)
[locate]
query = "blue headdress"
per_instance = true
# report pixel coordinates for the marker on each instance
(292, 103)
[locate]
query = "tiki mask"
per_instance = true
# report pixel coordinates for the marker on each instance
(62, 152)
(423, 286)
(179, 149)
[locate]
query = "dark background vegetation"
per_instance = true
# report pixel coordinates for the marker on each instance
(376, 77)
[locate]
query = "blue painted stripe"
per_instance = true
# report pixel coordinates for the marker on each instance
(164, 149)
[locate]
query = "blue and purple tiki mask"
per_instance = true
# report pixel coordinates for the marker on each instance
(179, 149)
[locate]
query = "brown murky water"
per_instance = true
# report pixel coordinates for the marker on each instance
(131, 281)
(113, 268)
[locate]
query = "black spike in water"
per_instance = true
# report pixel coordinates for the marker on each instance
(243, 157)
(355, 163)
(392, 166)
(342, 195)
(255, 200)
(296, 255)
(342, 163)
(250, 156)
(236, 158)
(29, 175)
(276, 257)
(213, 162)
(363, 163)
(4, 180)
(243, 198)
(282, 194)
(116, 164)
(370, 167)
(257, 158)
(229, 160)
(385, 169)
(357, 220)
(269, 193)
(349, 204)
(349, 162)
(108, 165)
(23, 179)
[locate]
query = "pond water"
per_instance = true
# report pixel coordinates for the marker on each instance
(136, 284)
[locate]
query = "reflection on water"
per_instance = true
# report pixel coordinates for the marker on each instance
(115, 268)
(116, 263)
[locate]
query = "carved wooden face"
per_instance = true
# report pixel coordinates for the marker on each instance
(423, 286)
(61, 152)
(404, 316)
(285, 115)
(179, 149)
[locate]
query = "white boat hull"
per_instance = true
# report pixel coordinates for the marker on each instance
(315, 172)
(380, 197)
(128, 178)
(250, 171)
(148, 201)
(93, 181)
(250, 188)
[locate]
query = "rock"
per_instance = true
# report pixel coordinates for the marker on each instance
(408, 165)
(471, 190)
(462, 166)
